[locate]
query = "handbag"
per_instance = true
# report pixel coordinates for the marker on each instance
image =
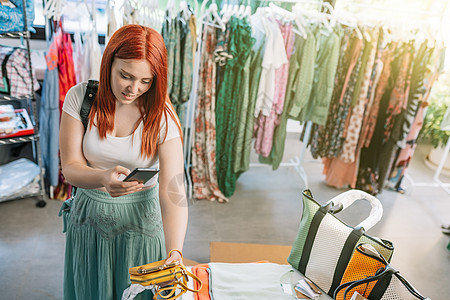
(369, 274)
(166, 278)
(324, 244)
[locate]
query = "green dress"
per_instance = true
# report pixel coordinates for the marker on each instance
(228, 99)
(106, 236)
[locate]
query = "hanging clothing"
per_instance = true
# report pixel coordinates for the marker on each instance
(78, 56)
(92, 57)
(49, 120)
(352, 135)
(342, 171)
(246, 116)
(66, 67)
(328, 45)
(274, 58)
(229, 95)
(370, 119)
(15, 72)
(266, 124)
(395, 112)
(298, 90)
(405, 155)
(180, 42)
(327, 138)
(204, 174)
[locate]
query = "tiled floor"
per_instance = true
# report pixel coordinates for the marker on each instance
(265, 208)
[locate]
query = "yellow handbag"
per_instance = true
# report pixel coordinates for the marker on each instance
(166, 278)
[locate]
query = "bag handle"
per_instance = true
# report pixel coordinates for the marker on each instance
(346, 199)
(182, 283)
(410, 287)
(348, 286)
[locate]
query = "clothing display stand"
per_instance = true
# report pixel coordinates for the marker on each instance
(436, 181)
(296, 161)
(31, 107)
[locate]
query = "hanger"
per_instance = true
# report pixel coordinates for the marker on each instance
(235, 10)
(315, 15)
(322, 4)
(285, 15)
(248, 9)
(228, 13)
(54, 9)
(170, 9)
(241, 11)
(301, 29)
(185, 12)
(224, 8)
(212, 11)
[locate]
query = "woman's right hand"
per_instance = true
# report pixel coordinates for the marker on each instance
(115, 186)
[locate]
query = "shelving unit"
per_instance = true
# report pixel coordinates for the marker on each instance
(30, 101)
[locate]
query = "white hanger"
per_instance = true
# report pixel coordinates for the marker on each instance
(185, 10)
(282, 13)
(227, 13)
(54, 9)
(318, 16)
(241, 11)
(248, 11)
(171, 8)
(235, 10)
(224, 8)
(212, 11)
(301, 29)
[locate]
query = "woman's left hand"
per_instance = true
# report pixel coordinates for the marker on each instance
(174, 256)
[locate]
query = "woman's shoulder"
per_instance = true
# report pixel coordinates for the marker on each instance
(78, 90)
(74, 99)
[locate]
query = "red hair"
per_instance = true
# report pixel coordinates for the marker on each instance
(136, 42)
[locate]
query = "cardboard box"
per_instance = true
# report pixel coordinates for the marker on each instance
(246, 253)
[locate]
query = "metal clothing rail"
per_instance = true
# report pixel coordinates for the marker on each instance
(296, 161)
(436, 181)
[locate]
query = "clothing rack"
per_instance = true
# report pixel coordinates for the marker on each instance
(436, 181)
(189, 128)
(296, 161)
(31, 105)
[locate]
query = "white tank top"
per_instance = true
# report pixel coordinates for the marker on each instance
(113, 151)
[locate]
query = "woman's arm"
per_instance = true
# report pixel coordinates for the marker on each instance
(74, 165)
(172, 195)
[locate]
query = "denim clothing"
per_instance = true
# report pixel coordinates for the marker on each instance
(49, 125)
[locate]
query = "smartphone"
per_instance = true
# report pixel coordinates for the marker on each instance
(141, 175)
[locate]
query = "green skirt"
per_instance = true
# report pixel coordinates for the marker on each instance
(106, 236)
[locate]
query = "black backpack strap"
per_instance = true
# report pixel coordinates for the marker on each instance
(89, 96)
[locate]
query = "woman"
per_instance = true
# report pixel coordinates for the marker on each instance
(114, 225)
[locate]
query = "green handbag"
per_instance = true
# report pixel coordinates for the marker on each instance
(325, 244)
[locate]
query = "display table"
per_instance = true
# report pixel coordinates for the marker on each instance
(229, 255)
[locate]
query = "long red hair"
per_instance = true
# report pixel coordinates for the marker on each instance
(136, 42)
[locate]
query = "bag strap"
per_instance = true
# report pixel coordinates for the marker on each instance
(410, 287)
(200, 284)
(388, 271)
(182, 283)
(89, 97)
